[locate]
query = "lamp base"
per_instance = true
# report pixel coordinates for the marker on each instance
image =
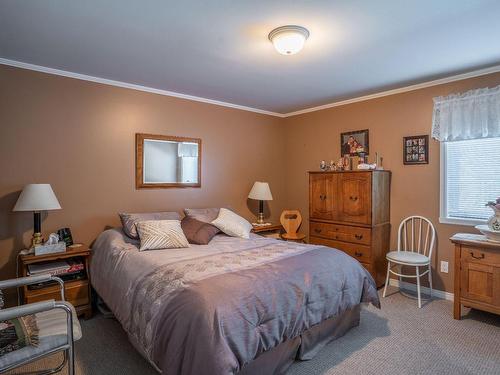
(37, 239)
(260, 218)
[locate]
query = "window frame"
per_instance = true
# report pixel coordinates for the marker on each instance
(443, 209)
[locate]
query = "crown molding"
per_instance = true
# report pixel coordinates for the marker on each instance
(423, 85)
(105, 81)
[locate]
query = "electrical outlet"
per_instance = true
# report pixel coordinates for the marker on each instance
(444, 266)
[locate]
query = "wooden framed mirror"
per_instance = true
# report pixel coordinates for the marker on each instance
(164, 161)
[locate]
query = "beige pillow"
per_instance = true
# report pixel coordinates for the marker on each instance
(232, 224)
(161, 234)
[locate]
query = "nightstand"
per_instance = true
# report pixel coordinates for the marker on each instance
(297, 237)
(272, 231)
(477, 274)
(76, 288)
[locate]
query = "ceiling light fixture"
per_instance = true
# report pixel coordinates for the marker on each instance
(289, 39)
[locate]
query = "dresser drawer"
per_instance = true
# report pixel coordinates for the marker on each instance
(341, 232)
(360, 252)
(484, 256)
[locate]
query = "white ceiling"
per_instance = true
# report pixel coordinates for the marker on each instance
(218, 49)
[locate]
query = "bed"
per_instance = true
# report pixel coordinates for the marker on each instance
(247, 306)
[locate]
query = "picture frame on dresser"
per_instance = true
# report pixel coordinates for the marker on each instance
(355, 142)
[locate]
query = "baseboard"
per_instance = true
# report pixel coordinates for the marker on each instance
(413, 287)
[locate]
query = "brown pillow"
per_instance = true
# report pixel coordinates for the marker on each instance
(206, 215)
(198, 232)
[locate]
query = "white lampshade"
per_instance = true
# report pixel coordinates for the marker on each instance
(260, 191)
(37, 197)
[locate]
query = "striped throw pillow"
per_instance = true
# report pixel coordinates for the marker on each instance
(161, 234)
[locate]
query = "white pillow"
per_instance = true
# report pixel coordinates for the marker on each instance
(231, 224)
(161, 234)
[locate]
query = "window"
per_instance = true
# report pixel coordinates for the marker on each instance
(470, 177)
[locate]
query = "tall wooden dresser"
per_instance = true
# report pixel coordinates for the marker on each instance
(350, 211)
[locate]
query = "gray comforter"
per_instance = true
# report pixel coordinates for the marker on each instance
(212, 309)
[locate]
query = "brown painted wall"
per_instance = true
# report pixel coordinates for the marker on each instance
(315, 136)
(79, 137)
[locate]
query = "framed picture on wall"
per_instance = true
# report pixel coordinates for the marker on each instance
(416, 149)
(355, 142)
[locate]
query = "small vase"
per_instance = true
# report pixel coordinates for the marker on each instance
(494, 220)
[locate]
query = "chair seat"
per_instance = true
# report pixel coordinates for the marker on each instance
(52, 328)
(407, 257)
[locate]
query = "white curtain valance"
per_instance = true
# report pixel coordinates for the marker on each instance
(470, 115)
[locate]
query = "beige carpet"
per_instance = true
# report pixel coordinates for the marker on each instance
(399, 339)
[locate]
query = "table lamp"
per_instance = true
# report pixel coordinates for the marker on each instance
(37, 198)
(261, 192)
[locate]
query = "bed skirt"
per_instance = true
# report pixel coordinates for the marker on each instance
(303, 347)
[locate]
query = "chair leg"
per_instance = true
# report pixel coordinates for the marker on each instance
(56, 369)
(400, 270)
(418, 289)
(430, 280)
(71, 359)
(387, 278)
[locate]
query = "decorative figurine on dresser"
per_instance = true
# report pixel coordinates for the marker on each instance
(350, 211)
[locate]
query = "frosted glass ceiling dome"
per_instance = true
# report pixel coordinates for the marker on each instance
(290, 39)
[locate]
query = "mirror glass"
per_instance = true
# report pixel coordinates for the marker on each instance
(165, 161)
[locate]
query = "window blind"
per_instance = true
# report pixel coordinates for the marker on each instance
(472, 177)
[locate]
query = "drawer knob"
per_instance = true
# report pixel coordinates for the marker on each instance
(317, 230)
(354, 199)
(358, 236)
(358, 254)
(477, 257)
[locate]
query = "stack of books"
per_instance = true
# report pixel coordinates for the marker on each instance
(67, 270)
(55, 268)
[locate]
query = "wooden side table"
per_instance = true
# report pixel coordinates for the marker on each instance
(297, 237)
(77, 292)
(477, 273)
(277, 231)
(273, 230)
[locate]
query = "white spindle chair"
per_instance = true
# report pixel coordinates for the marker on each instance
(416, 239)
